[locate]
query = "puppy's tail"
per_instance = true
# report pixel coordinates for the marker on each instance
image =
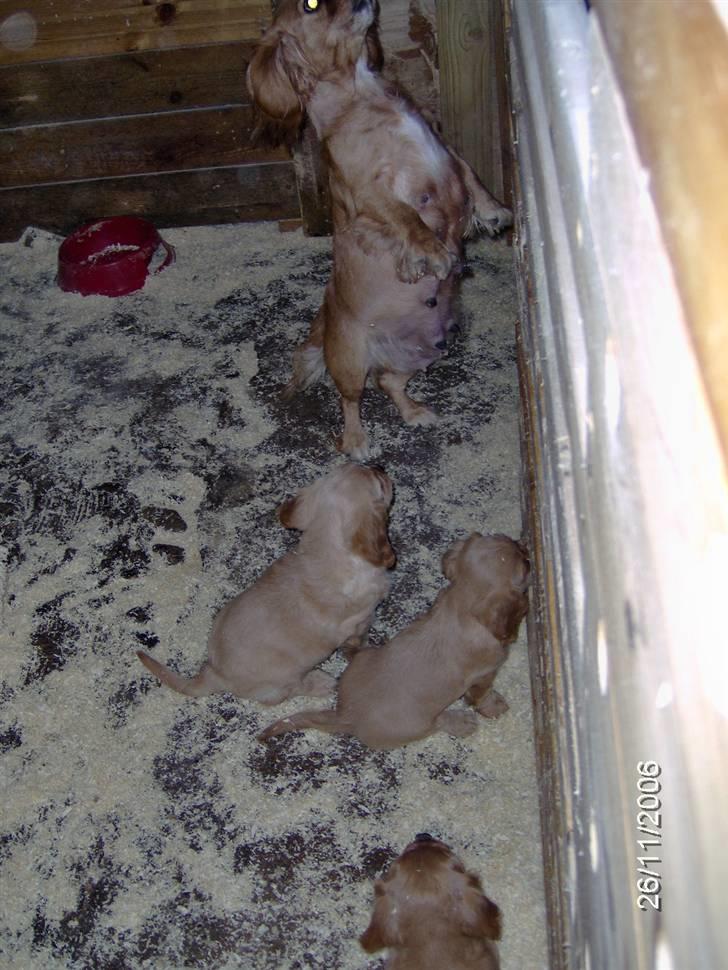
(327, 721)
(308, 368)
(198, 686)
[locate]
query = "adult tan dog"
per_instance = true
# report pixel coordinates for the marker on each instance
(402, 202)
(432, 914)
(265, 643)
(401, 692)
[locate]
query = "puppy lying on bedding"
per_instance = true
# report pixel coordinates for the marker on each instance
(265, 643)
(432, 914)
(401, 692)
(402, 201)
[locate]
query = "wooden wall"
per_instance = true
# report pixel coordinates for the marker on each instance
(106, 109)
(140, 106)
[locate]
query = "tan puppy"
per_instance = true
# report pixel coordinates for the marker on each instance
(265, 643)
(432, 914)
(400, 692)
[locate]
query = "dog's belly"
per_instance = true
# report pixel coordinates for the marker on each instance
(405, 325)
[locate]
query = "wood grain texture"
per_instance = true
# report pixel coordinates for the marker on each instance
(125, 84)
(79, 28)
(312, 177)
(205, 196)
(473, 94)
(130, 146)
(671, 59)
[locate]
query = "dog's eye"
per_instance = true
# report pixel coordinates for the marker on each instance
(311, 6)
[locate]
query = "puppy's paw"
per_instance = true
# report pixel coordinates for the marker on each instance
(426, 257)
(317, 683)
(492, 705)
(355, 444)
(351, 647)
(459, 724)
(419, 414)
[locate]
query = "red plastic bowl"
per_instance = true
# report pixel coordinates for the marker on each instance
(110, 257)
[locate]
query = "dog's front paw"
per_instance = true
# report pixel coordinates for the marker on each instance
(492, 218)
(426, 257)
(492, 705)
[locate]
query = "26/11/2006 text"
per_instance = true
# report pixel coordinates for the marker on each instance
(649, 839)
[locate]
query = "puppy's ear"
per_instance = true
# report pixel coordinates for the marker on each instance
(480, 917)
(449, 560)
(382, 930)
(502, 614)
(280, 79)
(295, 513)
(370, 540)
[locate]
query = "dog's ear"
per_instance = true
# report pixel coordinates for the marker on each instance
(449, 560)
(375, 52)
(479, 916)
(382, 930)
(280, 79)
(370, 539)
(502, 614)
(297, 511)
(287, 512)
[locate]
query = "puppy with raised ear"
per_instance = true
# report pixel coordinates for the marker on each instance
(402, 201)
(265, 643)
(432, 914)
(401, 692)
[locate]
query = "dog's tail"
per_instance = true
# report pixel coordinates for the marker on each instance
(308, 358)
(308, 368)
(198, 686)
(327, 721)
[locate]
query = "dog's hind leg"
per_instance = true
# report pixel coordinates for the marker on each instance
(327, 721)
(348, 363)
(393, 385)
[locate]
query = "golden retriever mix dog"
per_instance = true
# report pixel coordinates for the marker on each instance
(401, 692)
(402, 202)
(265, 643)
(432, 914)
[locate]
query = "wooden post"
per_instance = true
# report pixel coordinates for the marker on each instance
(473, 91)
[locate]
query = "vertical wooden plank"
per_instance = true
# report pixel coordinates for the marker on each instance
(312, 178)
(473, 95)
(671, 59)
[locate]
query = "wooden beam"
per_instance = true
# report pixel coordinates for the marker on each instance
(240, 193)
(144, 82)
(41, 31)
(671, 60)
(130, 146)
(473, 92)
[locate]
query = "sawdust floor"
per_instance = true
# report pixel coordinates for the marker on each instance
(145, 450)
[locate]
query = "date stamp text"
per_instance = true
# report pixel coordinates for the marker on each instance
(649, 835)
